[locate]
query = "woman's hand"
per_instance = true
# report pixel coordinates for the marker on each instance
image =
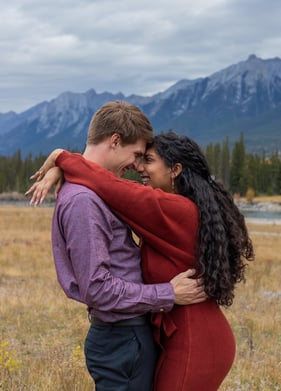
(39, 190)
(47, 165)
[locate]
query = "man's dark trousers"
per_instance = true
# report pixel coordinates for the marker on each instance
(121, 357)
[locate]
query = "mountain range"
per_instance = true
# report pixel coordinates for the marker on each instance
(244, 97)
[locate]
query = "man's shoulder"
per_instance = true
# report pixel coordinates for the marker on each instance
(72, 192)
(73, 188)
(76, 200)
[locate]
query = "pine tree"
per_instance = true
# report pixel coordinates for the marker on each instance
(238, 170)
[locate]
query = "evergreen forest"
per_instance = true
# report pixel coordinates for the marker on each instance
(242, 173)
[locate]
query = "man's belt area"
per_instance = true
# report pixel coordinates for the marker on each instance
(137, 321)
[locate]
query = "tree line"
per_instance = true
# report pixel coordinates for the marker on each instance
(245, 173)
(241, 172)
(15, 171)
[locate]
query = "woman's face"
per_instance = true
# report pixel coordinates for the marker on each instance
(154, 172)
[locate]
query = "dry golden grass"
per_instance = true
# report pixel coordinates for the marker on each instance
(255, 317)
(42, 332)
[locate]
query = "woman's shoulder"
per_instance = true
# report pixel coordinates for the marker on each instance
(178, 202)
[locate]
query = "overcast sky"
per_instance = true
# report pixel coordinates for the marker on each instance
(143, 47)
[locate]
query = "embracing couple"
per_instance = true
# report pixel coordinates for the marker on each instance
(154, 307)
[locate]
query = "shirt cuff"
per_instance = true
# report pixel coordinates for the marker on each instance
(165, 297)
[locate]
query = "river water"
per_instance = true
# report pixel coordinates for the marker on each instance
(267, 213)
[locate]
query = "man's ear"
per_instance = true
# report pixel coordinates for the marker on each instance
(115, 140)
(177, 169)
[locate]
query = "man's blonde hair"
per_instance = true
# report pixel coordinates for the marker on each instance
(119, 117)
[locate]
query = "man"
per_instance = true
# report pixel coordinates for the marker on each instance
(98, 262)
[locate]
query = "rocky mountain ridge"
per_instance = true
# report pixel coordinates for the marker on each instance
(242, 97)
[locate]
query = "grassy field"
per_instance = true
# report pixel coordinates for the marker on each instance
(42, 332)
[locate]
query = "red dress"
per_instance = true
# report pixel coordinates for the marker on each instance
(197, 344)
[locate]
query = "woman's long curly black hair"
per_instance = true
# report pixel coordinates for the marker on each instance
(224, 245)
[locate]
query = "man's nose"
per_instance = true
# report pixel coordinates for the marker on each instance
(139, 167)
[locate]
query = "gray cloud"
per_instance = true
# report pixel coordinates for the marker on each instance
(49, 47)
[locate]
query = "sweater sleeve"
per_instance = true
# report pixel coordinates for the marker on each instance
(156, 216)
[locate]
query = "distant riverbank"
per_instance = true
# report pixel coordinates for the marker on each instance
(15, 198)
(262, 209)
(266, 212)
(274, 200)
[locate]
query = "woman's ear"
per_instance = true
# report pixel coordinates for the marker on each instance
(177, 169)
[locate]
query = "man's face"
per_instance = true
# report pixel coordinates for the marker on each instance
(126, 157)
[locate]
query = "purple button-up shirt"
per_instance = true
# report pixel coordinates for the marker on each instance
(97, 261)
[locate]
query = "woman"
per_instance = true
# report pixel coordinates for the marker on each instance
(185, 219)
